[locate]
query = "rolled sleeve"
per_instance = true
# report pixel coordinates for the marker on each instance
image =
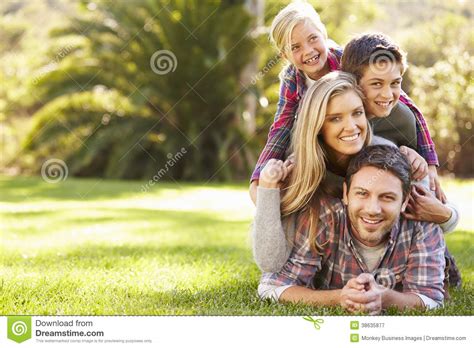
(428, 302)
(271, 292)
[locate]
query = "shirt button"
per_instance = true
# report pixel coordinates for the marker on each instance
(397, 277)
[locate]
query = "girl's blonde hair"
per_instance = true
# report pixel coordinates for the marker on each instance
(286, 20)
(310, 167)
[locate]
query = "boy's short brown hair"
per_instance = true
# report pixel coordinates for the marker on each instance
(368, 49)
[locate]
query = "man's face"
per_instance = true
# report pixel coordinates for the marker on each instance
(374, 203)
(381, 84)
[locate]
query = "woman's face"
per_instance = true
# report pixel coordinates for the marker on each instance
(345, 126)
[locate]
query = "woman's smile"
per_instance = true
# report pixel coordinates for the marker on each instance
(345, 126)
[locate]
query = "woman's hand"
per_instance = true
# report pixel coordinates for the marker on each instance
(274, 173)
(419, 167)
(424, 206)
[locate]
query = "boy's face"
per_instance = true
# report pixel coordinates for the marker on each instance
(381, 85)
(374, 203)
(308, 51)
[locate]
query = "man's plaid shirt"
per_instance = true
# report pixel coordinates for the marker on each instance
(413, 260)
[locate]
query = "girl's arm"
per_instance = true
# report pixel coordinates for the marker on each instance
(279, 135)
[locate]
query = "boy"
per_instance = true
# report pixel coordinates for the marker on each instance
(379, 64)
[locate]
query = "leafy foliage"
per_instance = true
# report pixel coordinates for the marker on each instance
(109, 113)
(441, 82)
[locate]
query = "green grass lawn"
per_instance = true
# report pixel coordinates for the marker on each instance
(86, 246)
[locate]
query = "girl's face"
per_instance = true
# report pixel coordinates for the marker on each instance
(345, 126)
(308, 51)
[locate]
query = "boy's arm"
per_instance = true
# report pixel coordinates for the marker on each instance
(425, 146)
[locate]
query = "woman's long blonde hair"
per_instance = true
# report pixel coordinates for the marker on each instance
(310, 167)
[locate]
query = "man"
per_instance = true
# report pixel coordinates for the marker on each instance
(361, 244)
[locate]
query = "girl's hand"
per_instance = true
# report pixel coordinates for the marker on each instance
(419, 167)
(424, 206)
(274, 173)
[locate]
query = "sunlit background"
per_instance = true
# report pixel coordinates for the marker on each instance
(129, 130)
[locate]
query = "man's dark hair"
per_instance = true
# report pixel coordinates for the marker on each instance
(386, 158)
(371, 49)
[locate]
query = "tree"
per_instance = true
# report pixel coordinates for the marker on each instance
(134, 85)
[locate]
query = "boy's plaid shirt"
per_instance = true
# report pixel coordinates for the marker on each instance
(413, 260)
(292, 89)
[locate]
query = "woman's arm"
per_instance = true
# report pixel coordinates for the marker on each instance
(270, 244)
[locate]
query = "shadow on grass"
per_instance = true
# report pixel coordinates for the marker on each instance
(185, 254)
(21, 189)
(135, 221)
